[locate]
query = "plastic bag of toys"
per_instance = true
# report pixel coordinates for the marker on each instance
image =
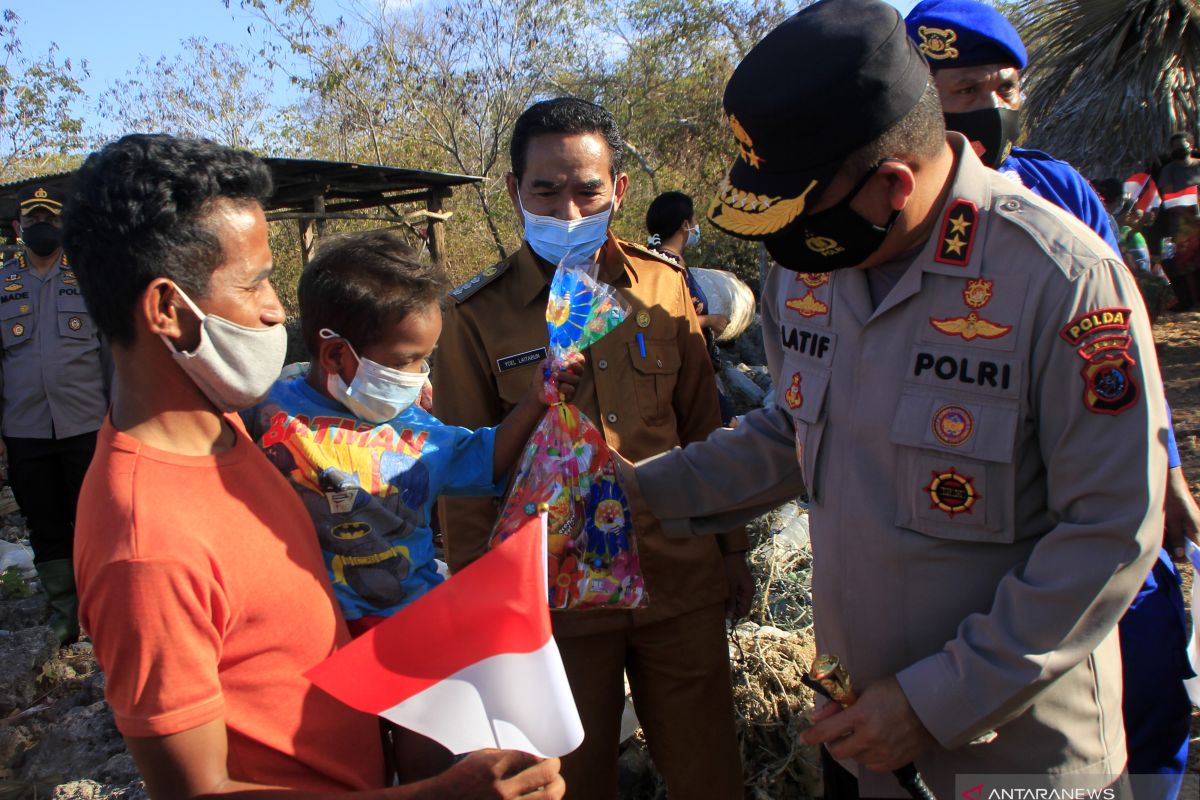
(593, 559)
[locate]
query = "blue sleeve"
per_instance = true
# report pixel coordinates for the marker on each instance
(1173, 459)
(468, 463)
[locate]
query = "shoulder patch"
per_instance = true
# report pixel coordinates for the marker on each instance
(646, 252)
(469, 287)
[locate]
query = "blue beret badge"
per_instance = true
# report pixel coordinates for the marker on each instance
(936, 43)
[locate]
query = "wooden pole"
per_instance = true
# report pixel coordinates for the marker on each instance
(437, 233)
(306, 240)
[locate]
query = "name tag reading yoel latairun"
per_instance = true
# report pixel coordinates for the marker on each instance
(521, 359)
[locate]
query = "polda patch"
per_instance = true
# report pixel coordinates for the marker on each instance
(1096, 321)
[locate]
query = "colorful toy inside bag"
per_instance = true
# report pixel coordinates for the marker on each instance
(593, 559)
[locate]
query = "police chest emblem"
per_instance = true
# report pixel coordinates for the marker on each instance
(18, 329)
(1100, 337)
(793, 397)
(813, 280)
(14, 287)
(952, 492)
(953, 425)
(937, 43)
(957, 235)
(972, 326)
(643, 319)
(807, 306)
(978, 293)
(74, 323)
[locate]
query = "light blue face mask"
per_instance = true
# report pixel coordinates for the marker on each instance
(552, 238)
(693, 236)
(377, 393)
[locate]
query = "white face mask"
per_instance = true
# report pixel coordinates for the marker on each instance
(234, 366)
(552, 238)
(377, 393)
(693, 236)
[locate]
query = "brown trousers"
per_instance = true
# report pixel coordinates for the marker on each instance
(679, 674)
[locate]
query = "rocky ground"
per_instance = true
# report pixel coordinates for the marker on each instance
(57, 738)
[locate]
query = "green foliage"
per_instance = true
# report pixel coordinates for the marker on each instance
(13, 585)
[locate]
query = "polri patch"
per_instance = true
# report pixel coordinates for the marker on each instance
(952, 492)
(505, 363)
(957, 235)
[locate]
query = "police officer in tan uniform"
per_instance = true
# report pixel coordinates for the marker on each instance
(648, 386)
(966, 382)
(54, 378)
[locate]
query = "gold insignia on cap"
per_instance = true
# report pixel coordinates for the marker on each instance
(74, 323)
(18, 329)
(747, 214)
(823, 245)
(643, 319)
(41, 194)
(745, 145)
(936, 43)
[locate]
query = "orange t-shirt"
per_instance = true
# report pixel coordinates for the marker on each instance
(202, 586)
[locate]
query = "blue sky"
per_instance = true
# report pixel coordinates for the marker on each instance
(112, 36)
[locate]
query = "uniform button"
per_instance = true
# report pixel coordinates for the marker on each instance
(659, 362)
(602, 364)
(1010, 205)
(611, 417)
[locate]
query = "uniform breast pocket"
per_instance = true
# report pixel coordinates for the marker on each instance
(955, 470)
(801, 392)
(74, 321)
(654, 378)
(16, 323)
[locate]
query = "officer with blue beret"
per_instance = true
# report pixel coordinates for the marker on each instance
(976, 57)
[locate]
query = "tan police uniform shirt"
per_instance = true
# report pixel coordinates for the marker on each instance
(985, 451)
(54, 371)
(494, 334)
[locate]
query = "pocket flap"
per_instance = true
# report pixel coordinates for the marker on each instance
(662, 357)
(15, 308)
(980, 430)
(72, 301)
(801, 391)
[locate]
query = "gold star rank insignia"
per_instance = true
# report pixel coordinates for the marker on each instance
(957, 233)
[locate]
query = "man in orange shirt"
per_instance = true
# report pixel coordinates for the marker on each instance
(199, 573)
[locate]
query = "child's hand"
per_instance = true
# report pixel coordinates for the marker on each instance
(563, 382)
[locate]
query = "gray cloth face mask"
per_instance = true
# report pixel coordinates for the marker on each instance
(234, 366)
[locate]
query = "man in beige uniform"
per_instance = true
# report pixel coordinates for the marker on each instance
(976, 411)
(648, 386)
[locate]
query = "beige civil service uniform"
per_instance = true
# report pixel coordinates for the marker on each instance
(985, 452)
(675, 650)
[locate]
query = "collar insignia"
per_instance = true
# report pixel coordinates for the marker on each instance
(957, 233)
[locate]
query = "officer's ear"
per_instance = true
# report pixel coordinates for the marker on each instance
(619, 186)
(900, 182)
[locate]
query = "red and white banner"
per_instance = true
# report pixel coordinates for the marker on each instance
(1144, 191)
(472, 664)
(1181, 199)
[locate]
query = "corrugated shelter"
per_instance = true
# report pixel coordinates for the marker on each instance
(312, 192)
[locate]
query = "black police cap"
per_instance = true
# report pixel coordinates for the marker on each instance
(32, 196)
(826, 82)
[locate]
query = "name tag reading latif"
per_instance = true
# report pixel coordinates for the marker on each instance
(521, 359)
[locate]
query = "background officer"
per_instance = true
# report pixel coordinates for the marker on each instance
(976, 56)
(647, 386)
(969, 410)
(54, 378)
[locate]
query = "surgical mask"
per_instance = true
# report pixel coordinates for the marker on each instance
(41, 237)
(234, 366)
(552, 238)
(835, 238)
(993, 129)
(693, 236)
(376, 393)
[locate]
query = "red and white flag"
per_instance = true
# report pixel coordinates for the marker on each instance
(471, 664)
(1181, 199)
(1144, 191)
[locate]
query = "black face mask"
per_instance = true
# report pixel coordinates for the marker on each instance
(1180, 153)
(835, 238)
(995, 129)
(41, 237)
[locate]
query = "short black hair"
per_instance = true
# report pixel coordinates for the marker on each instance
(564, 115)
(921, 133)
(1180, 135)
(359, 284)
(140, 210)
(1110, 190)
(667, 212)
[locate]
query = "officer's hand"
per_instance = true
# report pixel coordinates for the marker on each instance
(881, 731)
(495, 775)
(1182, 515)
(741, 586)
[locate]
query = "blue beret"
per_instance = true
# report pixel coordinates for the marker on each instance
(964, 33)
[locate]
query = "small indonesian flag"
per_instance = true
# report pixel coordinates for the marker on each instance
(471, 664)
(1144, 191)
(1181, 199)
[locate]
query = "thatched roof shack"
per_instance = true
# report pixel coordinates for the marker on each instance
(1109, 81)
(312, 192)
